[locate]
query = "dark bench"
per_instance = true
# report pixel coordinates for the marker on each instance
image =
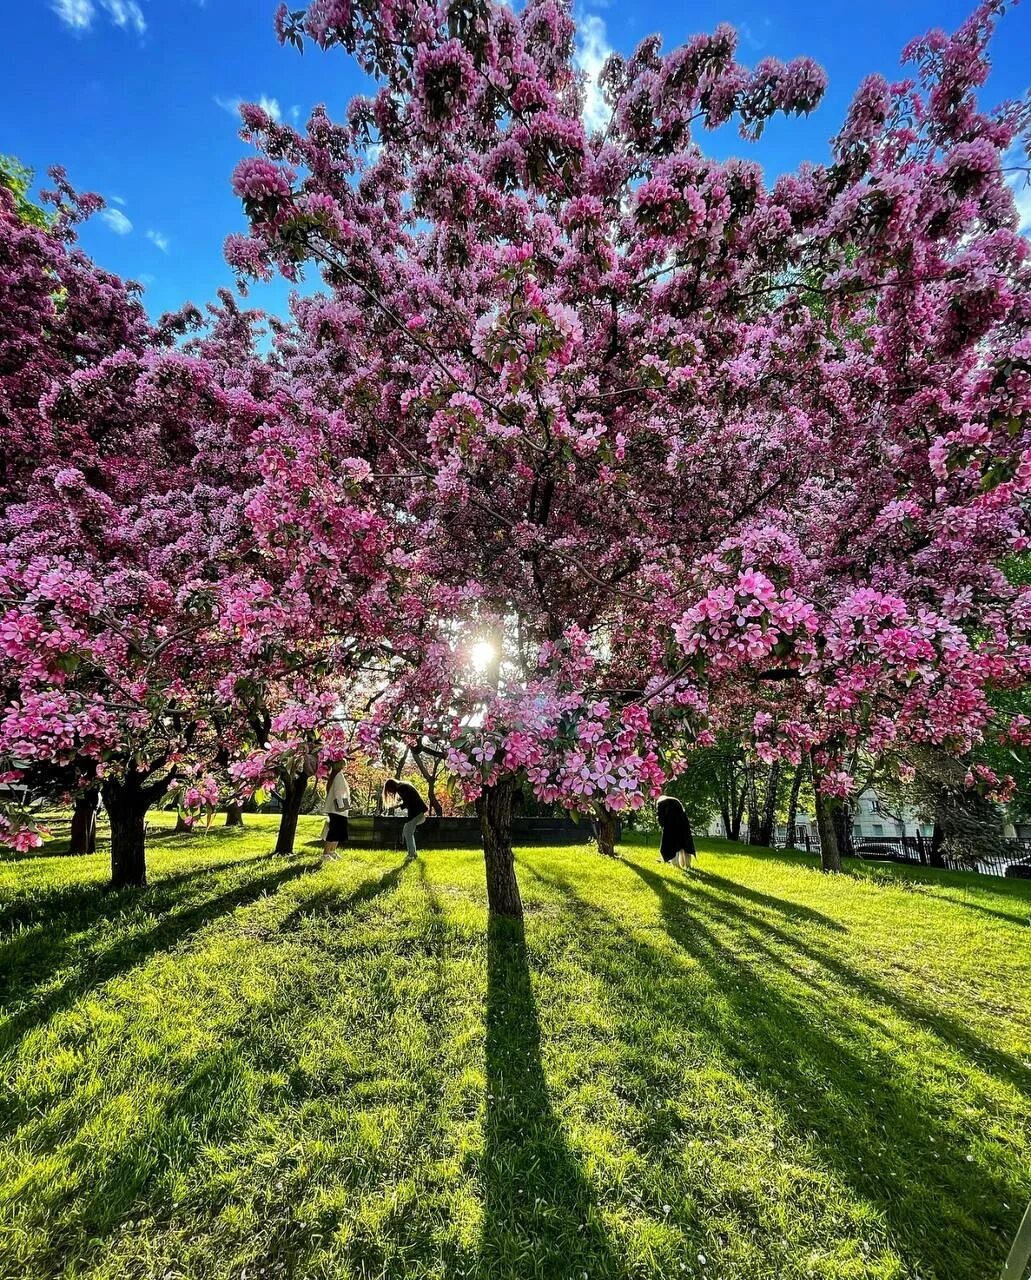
(369, 831)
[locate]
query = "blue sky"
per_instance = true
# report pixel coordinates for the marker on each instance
(135, 99)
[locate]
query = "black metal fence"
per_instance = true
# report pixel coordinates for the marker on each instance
(1014, 859)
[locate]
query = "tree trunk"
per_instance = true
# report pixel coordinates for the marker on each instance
(605, 828)
(127, 802)
(725, 817)
(830, 855)
(769, 818)
(293, 794)
(429, 776)
(739, 812)
(843, 827)
(84, 823)
(182, 827)
(234, 815)
(754, 823)
(495, 811)
(796, 786)
(938, 833)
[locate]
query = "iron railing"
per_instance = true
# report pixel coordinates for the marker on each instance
(1013, 860)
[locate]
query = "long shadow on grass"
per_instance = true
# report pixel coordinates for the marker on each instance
(947, 1029)
(86, 903)
(205, 1104)
(35, 956)
(835, 1074)
(332, 901)
(792, 911)
(1015, 895)
(540, 1214)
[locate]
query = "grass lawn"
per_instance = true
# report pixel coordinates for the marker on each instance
(263, 1068)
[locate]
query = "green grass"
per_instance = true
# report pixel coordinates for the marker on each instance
(262, 1068)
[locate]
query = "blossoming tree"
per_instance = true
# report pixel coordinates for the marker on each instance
(121, 562)
(156, 621)
(672, 436)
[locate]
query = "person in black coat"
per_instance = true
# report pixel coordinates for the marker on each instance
(677, 843)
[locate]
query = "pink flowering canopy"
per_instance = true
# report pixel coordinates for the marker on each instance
(592, 447)
(694, 450)
(160, 628)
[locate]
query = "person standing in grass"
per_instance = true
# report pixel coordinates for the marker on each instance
(337, 809)
(398, 794)
(677, 844)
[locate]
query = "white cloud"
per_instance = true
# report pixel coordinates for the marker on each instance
(1018, 179)
(116, 220)
(270, 106)
(1020, 185)
(117, 199)
(592, 50)
(1022, 197)
(755, 37)
(79, 14)
(158, 238)
(126, 13)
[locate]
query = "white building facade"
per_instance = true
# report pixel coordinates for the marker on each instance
(871, 820)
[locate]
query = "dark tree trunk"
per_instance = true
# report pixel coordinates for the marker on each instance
(769, 817)
(751, 792)
(234, 815)
(605, 828)
(293, 789)
(432, 803)
(796, 786)
(127, 801)
(739, 813)
(830, 854)
(84, 823)
(843, 827)
(939, 831)
(429, 775)
(495, 811)
(182, 827)
(725, 815)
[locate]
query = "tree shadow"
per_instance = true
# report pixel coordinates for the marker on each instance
(28, 954)
(86, 904)
(1013, 893)
(205, 1104)
(333, 900)
(835, 1076)
(541, 1217)
(949, 1030)
(783, 906)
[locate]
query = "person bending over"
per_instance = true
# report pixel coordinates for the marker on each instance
(398, 794)
(677, 843)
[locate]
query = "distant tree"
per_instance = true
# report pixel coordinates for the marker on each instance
(17, 178)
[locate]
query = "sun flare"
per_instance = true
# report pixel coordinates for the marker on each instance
(483, 653)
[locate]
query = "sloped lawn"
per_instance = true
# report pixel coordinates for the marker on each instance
(263, 1068)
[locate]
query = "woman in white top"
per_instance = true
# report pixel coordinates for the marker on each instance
(336, 809)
